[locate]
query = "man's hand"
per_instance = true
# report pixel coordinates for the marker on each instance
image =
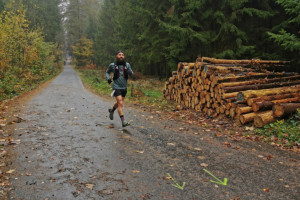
(109, 81)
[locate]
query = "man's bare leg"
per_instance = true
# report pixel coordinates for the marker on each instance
(120, 102)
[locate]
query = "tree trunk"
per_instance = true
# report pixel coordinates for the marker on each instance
(249, 76)
(246, 62)
(242, 110)
(245, 95)
(260, 86)
(260, 81)
(285, 109)
(272, 97)
(266, 105)
(264, 118)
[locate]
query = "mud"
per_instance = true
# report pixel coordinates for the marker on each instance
(70, 149)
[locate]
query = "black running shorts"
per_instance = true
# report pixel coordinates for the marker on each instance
(119, 92)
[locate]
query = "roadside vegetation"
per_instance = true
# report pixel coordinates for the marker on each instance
(285, 132)
(141, 90)
(26, 59)
(147, 91)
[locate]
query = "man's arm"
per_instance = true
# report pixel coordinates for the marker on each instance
(130, 72)
(108, 71)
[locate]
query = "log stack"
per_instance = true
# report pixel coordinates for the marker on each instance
(245, 90)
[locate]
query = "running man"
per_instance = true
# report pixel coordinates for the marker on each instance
(121, 70)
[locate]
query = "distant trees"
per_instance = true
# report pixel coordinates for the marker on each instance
(156, 35)
(286, 34)
(26, 58)
(80, 20)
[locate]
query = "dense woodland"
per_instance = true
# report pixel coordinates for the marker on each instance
(155, 35)
(30, 48)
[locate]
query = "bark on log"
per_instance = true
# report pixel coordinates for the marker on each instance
(243, 109)
(267, 105)
(247, 62)
(245, 95)
(260, 86)
(272, 97)
(260, 81)
(249, 76)
(264, 118)
(280, 110)
(249, 117)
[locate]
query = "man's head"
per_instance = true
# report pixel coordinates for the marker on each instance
(120, 57)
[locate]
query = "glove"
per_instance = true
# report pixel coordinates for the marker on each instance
(109, 81)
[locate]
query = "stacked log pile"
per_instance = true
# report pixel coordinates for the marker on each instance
(246, 90)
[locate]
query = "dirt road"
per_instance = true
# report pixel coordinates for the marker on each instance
(71, 150)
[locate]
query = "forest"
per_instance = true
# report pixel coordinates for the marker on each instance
(30, 51)
(155, 35)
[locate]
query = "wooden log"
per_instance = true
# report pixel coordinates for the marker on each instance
(225, 69)
(249, 76)
(232, 113)
(230, 95)
(245, 95)
(260, 86)
(280, 110)
(260, 81)
(247, 117)
(264, 118)
(243, 109)
(272, 97)
(267, 105)
(247, 62)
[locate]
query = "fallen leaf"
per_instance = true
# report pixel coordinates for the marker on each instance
(269, 157)
(10, 171)
(89, 186)
(227, 144)
(107, 191)
(203, 165)
(266, 190)
(197, 149)
(247, 128)
(170, 144)
(201, 157)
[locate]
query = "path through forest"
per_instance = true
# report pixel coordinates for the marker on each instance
(71, 150)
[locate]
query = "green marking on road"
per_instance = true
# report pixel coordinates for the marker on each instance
(218, 180)
(176, 184)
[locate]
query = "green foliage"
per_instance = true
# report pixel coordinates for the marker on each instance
(283, 130)
(25, 58)
(83, 52)
(288, 41)
(287, 33)
(80, 20)
(156, 35)
(45, 14)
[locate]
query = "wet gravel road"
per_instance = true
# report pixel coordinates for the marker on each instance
(71, 150)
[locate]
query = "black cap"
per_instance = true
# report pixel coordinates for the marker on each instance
(119, 51)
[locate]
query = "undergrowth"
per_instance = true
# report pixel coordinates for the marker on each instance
(286, 132)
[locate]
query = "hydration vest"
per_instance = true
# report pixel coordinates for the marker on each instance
(117, 72)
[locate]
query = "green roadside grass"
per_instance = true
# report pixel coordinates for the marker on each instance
(147, 91)
(144, 90)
